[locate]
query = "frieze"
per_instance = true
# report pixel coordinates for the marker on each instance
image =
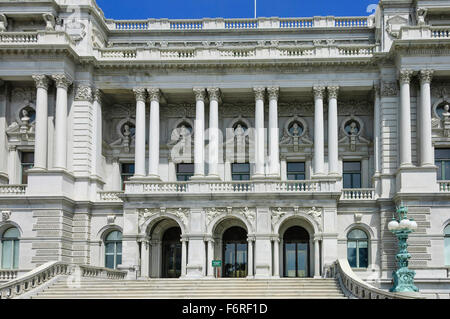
(315, 213)
(389, 89)
(186, 110)
(83, 93)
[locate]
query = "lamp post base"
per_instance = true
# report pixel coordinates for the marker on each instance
(404, 281)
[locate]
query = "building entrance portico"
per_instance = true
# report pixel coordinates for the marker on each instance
(296, 252)
(235, 252)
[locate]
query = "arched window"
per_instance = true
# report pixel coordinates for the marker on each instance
(357, 249)
(447, 244)
(113, 249)
(10, 248)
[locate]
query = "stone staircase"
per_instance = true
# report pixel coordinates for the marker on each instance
(304, 288)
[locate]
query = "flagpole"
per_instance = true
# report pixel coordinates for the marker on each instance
(255, 9)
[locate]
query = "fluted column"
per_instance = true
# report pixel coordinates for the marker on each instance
(318, 131)
(199, 140)
(214, 95)
(259, 131)
(405, 118)
(377, 130)
(97, 138)
(41, 134)
(333, 146)
(250, 257)
(145, 258)
(316, 258)
(276, 256)
(62, 82)
(153, 149)
(139, 161)
(274, 165)
(426, 148)
(183, 256)
(210, 257)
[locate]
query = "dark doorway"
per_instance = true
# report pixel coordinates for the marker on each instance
(171, 253)
(235, 252)
(296, 252)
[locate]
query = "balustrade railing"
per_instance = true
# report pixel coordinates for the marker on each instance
(440, 32)
(355, 286)
(12, 189)
(289, 23)
(119, 54)
(349, 22)
(131, 25)
(8, 274)
(186, 24)
(241, 24)
(444, 186)
(44, 273)
(19, 37)
(109, 196)
(358, 194)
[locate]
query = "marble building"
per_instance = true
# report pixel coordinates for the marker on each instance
(276, 145)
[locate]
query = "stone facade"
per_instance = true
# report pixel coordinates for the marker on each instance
(86, 94)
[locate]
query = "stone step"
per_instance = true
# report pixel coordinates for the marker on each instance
(189, 297)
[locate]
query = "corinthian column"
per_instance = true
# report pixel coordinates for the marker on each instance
(139, 161)
(214, 95)
(405, 118)
(274, 165)
(426, 148)
(41, 135)
(97, 139)
(153, 170)
(333, 147)
(199, 141)
(259, 131)
(62, 82)
(318, 130)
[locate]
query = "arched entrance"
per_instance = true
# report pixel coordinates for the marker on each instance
(235, 255)
(171, 253)
(296, 252)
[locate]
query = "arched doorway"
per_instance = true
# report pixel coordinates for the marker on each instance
(171, 253)
(235, 255)
(296, 252)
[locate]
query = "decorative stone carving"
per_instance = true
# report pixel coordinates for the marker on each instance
(405, 76)
(140, 94)
(6, 216)
(259, 93)
(146, 214)
(154, 94)
(214, 93)
(318, 91)
(184, 110)
(426, 76)
(295, 134)
(316, 214)
(62, 80)
(41, 80)
(296, 109)
(75, 29)
(446, 120)
(249, 214)
(212, 213)
(111, 219)
(50, 21)
(389, 89)
(351, 107)
(233, 110)
(333, 92)
(358, 217)
(181, 142)
(276, 215)
(420, 15)
(352, 133)
(182, 215)
(3, 23)
(98, 95)
(126, 138)
(394, 24)
(200, 94)
(273, 92)
(83, 93)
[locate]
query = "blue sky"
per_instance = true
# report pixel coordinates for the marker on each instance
(180, 9)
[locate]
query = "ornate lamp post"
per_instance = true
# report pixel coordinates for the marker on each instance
(401, 227)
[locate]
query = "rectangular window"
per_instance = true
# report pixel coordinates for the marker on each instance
(442, 161)
(240, 172)
(127, 171)
(295, 171)
(352, 174)
(184, 172)
(27, 162)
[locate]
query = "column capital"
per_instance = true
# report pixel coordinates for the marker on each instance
(200, 94)
(140, 94)
(62, 80)
(274, 92)
(214, 93)
(154, 94)
(42, 81)
(259, 92)
(98, 95)
(333, 92)
(83, 93)
(318, 91)
(405, 76)
(426, 75)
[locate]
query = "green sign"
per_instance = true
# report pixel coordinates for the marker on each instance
(217, 263)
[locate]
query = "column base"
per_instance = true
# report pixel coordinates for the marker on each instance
(3, 178)
(198, 178)
(138, 178)
(319, 176)
(274, 176)
(258, 177)
(155, 178)
(213, 178)
(411, 179)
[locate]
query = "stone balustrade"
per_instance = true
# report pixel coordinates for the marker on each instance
(42, 274)
(237, 24)
(109, 196)
(12, 189)
(35, 38)
(8, 274)
(424, 32)
(444, 186)
(358, 194)
(208, 187)
(355, 287)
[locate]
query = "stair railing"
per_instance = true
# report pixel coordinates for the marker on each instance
(44, 273)
(355, 286)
